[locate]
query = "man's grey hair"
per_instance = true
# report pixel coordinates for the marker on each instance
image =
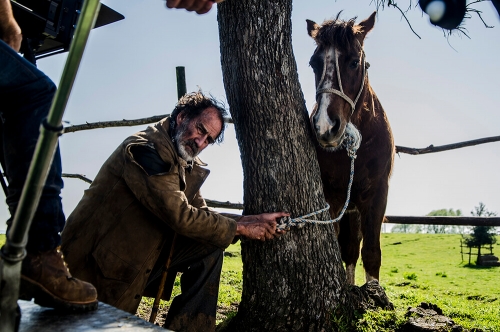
(194, 103)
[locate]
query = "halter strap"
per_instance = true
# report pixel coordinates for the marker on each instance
(341, 91)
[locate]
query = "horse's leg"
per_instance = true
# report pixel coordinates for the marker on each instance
(349, 240)
(371, 224)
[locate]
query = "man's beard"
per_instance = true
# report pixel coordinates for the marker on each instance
(187, 148)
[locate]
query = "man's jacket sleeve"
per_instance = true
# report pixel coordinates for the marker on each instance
(162, 195)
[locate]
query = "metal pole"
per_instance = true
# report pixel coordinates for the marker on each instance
(13, 251)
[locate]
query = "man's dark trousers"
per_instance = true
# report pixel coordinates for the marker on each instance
(201, 265)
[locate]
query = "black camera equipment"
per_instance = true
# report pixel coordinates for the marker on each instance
(448, 14)
(48, 25)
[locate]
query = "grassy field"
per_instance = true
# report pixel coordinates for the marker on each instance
(428, 268)
(415, 268)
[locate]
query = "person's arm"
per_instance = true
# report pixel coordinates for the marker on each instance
(10, 32)
(157, 187)
(199, 6)
(255, 227)
(156, 184)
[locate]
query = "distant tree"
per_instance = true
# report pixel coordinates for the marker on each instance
(444, 212)
(481, 235)
(405, 228)
(418, 229)
(401, 228)
(443, 229)
(481, 211)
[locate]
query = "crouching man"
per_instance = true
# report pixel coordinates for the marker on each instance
(120, 234)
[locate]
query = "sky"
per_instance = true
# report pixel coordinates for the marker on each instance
(435, 90)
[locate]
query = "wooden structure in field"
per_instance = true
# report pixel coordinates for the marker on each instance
(482, 259)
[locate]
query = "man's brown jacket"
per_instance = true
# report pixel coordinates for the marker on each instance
(125, 219)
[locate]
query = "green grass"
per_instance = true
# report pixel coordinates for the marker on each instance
(415, 268)
(422, 268)
(429, 268)
(231, 278)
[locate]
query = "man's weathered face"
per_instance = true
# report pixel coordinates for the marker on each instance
(192, 136)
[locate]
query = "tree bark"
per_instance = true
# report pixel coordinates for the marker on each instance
(295, 282)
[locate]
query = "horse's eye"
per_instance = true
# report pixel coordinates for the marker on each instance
(354, 64)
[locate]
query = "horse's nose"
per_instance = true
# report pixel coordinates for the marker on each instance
(329, 135)
(335, 126)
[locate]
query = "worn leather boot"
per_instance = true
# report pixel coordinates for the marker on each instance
(45, 277)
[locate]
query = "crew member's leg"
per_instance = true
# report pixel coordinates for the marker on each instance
(26, 95)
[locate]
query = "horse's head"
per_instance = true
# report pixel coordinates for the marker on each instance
(340, 68)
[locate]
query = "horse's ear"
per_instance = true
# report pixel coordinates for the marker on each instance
(367, 24)
(312, 28)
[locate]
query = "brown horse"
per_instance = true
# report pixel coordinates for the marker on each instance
(346, 106)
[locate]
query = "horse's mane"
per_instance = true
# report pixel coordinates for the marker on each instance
(338, 32)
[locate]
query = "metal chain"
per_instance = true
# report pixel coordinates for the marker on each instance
(286, 223)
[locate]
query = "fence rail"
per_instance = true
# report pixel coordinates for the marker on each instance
(224, 205)
(423, 220)
(407, 220)
(455, 221)
(399, 149)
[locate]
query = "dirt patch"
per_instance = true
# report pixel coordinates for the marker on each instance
(144, 312)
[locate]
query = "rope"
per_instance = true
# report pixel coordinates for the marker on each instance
(285, 223)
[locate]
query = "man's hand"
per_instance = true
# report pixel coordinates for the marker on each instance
(261, 226)
(10, 32)
(199, 6)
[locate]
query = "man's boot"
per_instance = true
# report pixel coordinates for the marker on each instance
(45, 277)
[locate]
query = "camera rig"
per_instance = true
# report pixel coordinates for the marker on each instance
(48, 25)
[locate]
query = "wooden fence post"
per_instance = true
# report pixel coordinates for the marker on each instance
(181, 81)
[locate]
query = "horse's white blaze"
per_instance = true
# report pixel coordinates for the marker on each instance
(351, 273)
(322, 120)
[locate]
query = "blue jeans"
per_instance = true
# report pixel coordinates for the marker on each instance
(25, 98)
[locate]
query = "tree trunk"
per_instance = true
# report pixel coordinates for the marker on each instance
(296, 282)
